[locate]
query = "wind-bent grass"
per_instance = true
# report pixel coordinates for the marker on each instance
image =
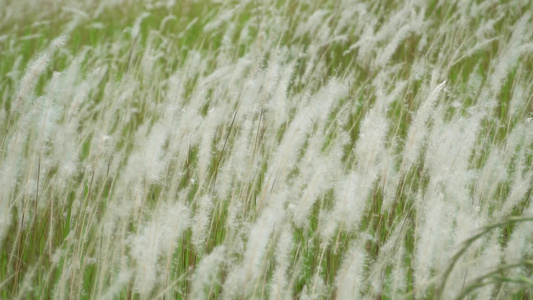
(266, 149)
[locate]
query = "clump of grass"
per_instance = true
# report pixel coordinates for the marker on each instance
(265, 149)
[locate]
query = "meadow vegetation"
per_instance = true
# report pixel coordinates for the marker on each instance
(266, 149)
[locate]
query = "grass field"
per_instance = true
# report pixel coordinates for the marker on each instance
(266, 149)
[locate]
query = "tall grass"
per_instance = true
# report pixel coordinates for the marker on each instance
(266, 149)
